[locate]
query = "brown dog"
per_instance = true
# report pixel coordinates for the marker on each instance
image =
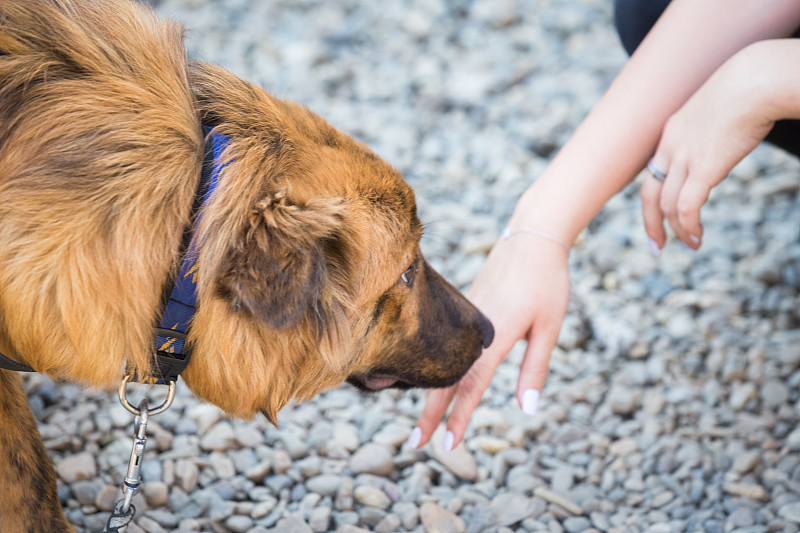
(309, 270)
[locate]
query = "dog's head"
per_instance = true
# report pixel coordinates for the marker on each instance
(311, 271)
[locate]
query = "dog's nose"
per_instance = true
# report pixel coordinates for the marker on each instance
(487, 331)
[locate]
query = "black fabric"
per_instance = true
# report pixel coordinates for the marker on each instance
(634, 18)
(10, 364)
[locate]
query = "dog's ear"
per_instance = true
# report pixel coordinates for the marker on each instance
(276, 268)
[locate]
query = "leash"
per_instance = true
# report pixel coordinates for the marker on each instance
(124, 510)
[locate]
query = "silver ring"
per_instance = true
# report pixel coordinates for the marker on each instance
(656, 172)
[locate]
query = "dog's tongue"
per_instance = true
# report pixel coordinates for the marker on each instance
(379, 381)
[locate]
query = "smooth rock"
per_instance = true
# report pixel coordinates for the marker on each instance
(372, 459)
(78, 467)
(372, 497)
(438, 520)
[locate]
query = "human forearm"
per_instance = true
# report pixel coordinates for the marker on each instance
(777, 78)
(612, 144)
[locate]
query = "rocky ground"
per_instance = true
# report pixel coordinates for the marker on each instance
(672, 403)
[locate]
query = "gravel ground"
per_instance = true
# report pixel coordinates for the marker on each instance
(672, 403)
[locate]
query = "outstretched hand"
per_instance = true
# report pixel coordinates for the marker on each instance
(720, 124)
(524, 290)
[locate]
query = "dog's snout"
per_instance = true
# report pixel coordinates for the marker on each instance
(487, 331)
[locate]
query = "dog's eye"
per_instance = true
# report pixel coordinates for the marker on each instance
(408, 276)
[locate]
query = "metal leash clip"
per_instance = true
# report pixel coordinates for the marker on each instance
(123, 509)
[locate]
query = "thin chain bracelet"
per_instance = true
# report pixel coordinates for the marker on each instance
(508, 233)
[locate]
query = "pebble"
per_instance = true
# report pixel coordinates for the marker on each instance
(790, 512)
(511, 508)
(78, 467)
(107, 497)
(372, 497)
(459, 461)
(186, 474)
(220, 437)
(156, 493)
(324, 484)
(438, 520)
(291, 524)
(746, 490)
(372, 459)
(746, 462)
(408, 514)
(320, 519)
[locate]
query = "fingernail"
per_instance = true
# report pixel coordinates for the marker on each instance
(447, 442)
(694, 238)
(414, 438)
(655, 251)
(530, 401)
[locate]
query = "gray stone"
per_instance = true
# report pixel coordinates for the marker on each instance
(295, 446)
(163, 517)
(291, 524)
(186, 474)
(482, 518)
(372, 459)
(263, 508)
(389, 524)
(324, 484)
(745, 462)
(438, 520)
(563, 479)
(459, 461)
(512, 508)
(320, 519)
(78, 467)
(258, 471)
(624, 400)
(741, 517)
(576, 524)
(790, 512)
(247, 436)
(219, 437)
(107, 497)
(372, 497)
(156, 493)
(86, 492)
(408, 514)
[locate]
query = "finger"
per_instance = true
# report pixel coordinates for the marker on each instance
(468, 395)
(693, 196)
(650, 193)
(533, 370)
(669, 202)
(436, 403)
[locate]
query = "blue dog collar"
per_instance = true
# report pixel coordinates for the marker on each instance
(171, 350)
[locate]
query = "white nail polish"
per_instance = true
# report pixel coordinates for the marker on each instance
(530, 401)
(694, 239)
(414, 438)
(655, 251)
(447, 442)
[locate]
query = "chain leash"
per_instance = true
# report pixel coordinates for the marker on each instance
(124, 510)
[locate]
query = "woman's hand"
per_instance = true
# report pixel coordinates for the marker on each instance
(524, 290)
(720, 124)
